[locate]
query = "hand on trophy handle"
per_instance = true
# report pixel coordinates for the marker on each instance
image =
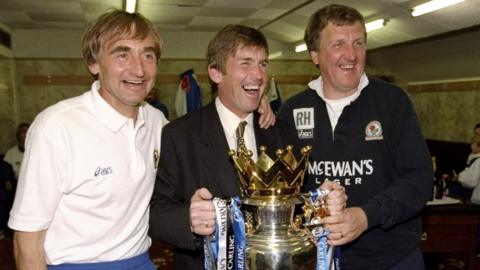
(202, 212)
(336, 199)
(347, 226)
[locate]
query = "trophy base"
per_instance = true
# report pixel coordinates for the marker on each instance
(273, 252)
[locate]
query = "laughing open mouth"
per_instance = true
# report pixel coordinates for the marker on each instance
(347, 67)
(133, 82)
(251, 87)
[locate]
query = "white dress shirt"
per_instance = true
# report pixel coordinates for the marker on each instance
(230, 122)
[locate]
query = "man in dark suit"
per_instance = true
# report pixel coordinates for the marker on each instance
(194, 164)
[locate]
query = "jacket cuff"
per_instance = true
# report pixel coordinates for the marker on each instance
(373, 212)
(197, 242)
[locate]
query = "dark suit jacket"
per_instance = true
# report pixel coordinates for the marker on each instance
(194, 154)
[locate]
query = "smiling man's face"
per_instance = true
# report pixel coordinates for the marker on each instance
(126, 69)
(241, 87)
(341, 58)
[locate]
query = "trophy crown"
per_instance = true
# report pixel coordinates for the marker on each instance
(268, 178)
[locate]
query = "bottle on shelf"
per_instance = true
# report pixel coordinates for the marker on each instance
(434, 188)
(438, 182)
(440, 187)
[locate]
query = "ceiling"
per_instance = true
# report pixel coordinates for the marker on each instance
(280, 20)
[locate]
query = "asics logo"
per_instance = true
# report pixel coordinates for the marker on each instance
(103, 171)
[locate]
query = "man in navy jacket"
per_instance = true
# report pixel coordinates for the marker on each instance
(366, 136)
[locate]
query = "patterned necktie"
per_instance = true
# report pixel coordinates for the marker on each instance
(239, 133)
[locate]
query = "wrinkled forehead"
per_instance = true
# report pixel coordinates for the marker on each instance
(245, 48)
(339, 23)
(126, 34)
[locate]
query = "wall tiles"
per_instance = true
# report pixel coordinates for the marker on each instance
(7, 117)
(448, 116)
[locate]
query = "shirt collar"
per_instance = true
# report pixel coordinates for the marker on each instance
(230, 120)
(317, 86)
(108, 115)
(472, 156)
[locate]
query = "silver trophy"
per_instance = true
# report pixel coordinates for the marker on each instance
(276, 238)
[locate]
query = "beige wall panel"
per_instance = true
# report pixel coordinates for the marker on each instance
(35, 97)
(7, 117)
(292, 76)
(448, 116)
(449, 122)
(42, 80)
(443, 114)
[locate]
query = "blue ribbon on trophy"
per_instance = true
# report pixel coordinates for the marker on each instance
(208, 246)
(323, 258)
(239, 233)
(328, 258)
(210, 243)
(336, 258)
(216, 248)
(226, 249)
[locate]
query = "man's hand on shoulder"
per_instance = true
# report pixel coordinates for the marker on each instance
(267, 116)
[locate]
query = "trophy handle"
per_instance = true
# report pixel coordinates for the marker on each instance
(314, 210)
(314, 207)
(310, 223)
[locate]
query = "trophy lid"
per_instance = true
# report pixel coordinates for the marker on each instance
(269, 179)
